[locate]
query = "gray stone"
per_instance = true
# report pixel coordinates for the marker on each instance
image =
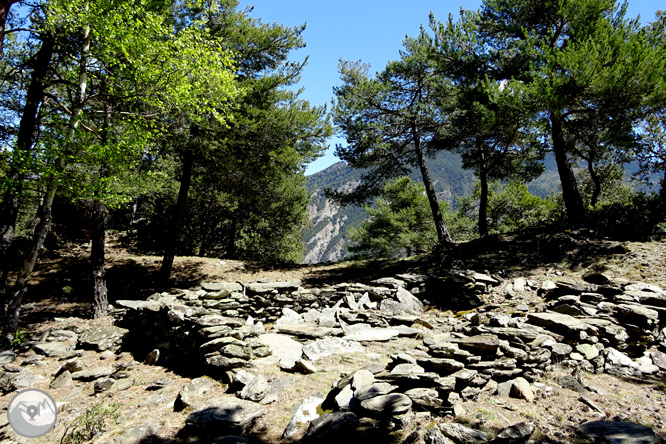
(367, 333)
(62, 380)
(255, 390)
(558, 322)
(306, 367)
(344, 398)
(642, 286)
(441, 365)
(424, 397)
(391, 404)
(27, 379)
(152, 357)
(194, 391)
(102, 338)
(124, 384)
(390, 306)
(618, 432)
(620, 363)
(331, 428)
(330, 346)
(561, 350)
(219, 343)
(362, 379)
(571, 383)
(262, 288)
(433, 435)
(52, 349)
(483, 344)
(136, 433)
(275, 388)
(589, 351)
(463, 434)
(522, 389)
(7, 357)
(376, 389)
(226, 413)
(225, 363)
(103, 385)
(221, 289)
(659, 359)
(407, 369)
(305, 412)
(284, 348)
(92, 374)
(410, 303)
(229, 440)
(516, 434)
(236, 351)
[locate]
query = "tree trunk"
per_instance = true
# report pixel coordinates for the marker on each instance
(572, 199)
(230, 252)
(44, 225)
(100, 304)
(443, 236)
(663, 192)
(483, 204)
(596, 182)
(174, 235)
(9, 207)
(4, 11)
(21, 285)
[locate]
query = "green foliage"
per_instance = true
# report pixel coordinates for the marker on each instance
(511, 208)
(400, 223)
(629, 216)
(90, 423)
(19, 337)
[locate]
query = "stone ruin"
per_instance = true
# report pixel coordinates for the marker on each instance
(597, 326)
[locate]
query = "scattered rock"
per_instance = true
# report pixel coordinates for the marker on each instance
(618, 432)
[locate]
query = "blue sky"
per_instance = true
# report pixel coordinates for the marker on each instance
(367, 30)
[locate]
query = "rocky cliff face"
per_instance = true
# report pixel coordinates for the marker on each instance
(326, 239)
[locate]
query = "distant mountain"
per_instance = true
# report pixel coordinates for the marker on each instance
(326, 238)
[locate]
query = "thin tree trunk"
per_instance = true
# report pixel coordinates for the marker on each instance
(231, 243)
(596, 182)
(9, 207)
(100, 300)
(44, 225)
(483, 204)
(174, 236)
(572, 199)
(100, 303)
(443, 236)
(663, 192)
(21, 285)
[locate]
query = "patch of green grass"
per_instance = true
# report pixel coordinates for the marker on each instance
(90, 423)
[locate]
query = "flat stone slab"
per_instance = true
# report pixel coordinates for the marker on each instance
(52, 349)
(225, 412)
(330, 346)
(391, 404)
(284, 348)
(558, 322)
(618, 432)
(261, 288)
(93, 373)
(102, 338)
(221, 287)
